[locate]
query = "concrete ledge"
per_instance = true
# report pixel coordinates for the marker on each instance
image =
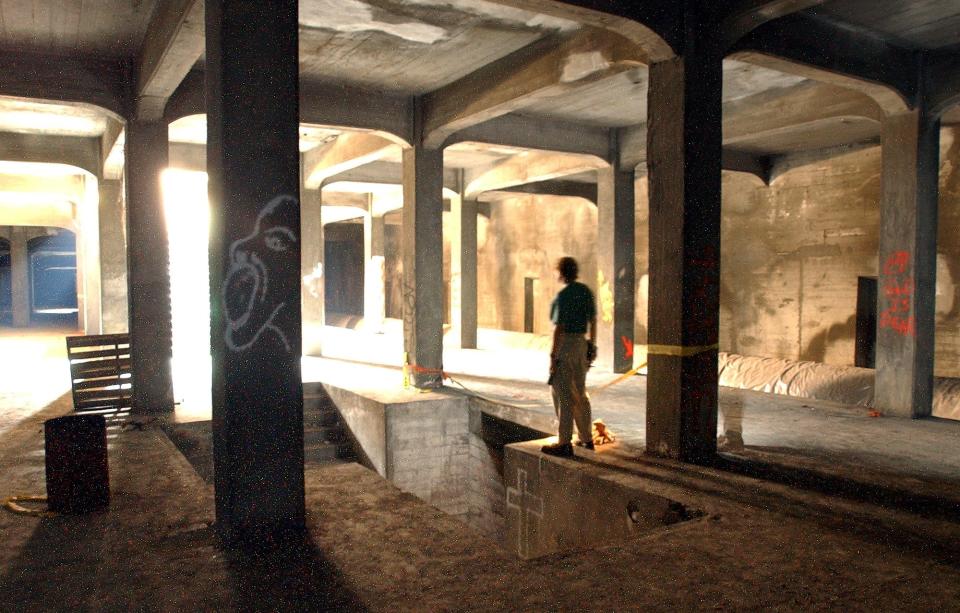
(419, 442)
(558, 504)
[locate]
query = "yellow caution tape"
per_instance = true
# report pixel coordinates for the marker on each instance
(12, 505)
(622, 377)
(679, 350)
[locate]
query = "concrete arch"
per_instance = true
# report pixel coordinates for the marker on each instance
(653, 29)
(888, 99)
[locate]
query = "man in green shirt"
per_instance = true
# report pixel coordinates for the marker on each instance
(573, 313)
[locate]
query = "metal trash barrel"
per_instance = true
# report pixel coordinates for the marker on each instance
(78, 479)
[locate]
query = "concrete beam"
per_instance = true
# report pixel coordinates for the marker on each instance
(322, 104)
(856, 60)
(742, 17)
(743, 161)
(346, 152)
(387, 173)
(338, 105)
(542, 70)
(528, 167)
(804, 103)
(567, 189)
(782, 164)
(537, 133)
(655, 25)
(174, 43)
(80, 151)
(108, 142)
(99, 82)
(941, 83)
(188, 99)
(767, 113)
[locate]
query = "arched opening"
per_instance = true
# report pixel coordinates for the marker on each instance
(53, 279)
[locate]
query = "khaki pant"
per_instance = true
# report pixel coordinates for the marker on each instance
(569, 388)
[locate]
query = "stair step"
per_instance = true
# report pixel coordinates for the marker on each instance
(322, 452)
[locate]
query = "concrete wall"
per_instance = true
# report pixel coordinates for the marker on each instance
(524, 238)
(792, 251)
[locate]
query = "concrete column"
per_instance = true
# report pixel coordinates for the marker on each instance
(311, 270)
(19, 278)
(148, 268)
(616, 277)
(463, 271)
(423, 263)
(683, 158)
(113, 263)
(908, 265)
(374, 292)
(255, 258)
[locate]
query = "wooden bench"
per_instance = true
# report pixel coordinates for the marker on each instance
(100, 372)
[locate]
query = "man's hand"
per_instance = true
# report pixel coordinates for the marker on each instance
(591, 352)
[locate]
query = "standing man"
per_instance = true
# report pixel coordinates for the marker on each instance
(573, 312)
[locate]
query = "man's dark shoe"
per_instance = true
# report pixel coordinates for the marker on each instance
(588, 445)
(562, 450)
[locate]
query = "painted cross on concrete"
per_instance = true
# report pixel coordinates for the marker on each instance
(529, 509)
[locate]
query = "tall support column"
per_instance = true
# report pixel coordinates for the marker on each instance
(683, 158)
(148, 268)
(463, 271)
(311, 270)
(374, 292)
(616, 276)
(908, 265)
(423, 263)
(113, 264)
(254, 167)
(19, 278)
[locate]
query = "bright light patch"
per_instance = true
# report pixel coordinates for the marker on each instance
(188, 221)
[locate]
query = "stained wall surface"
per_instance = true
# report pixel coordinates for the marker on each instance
(792, 252)
(524, 239)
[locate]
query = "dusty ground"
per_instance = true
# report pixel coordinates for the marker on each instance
(375, 548)
(887, 542)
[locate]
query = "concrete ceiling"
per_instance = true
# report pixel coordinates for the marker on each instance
(106, 28)
(921, 24)
(415, 47)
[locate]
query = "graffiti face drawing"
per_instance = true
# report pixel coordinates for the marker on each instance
(252, 303)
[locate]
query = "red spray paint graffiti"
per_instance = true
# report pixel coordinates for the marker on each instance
(898, 293)
(627, 347)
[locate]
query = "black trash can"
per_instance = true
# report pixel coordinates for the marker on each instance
(78, 479)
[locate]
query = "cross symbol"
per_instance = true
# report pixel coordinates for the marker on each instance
(529, 508)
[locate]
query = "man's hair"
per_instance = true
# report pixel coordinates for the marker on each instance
(568, 269)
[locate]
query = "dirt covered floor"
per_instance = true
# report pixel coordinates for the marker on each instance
(372, 547)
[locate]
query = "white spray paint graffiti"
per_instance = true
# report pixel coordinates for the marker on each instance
(529, 510)
(250, 302)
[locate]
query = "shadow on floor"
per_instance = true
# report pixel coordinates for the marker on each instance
(292, 576)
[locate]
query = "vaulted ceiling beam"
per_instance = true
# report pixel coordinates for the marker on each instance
(822, 50)
(347, 151)
(542, 70)
(175, 41)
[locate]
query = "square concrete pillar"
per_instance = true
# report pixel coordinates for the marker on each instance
(253, 163)
(908, 265)
(683, 160)
(616, 276)
(463, 271)
(113, 264)
(19, 277)
(148, 268)
(374, 291)
(423, 263)
(311, 271)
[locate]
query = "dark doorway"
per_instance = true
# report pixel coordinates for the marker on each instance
(865, 350)
(53, 279)
(343, 264)
(529, 288)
